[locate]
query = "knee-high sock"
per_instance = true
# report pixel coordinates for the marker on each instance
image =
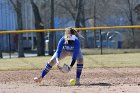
(79, 71)
(46, 70)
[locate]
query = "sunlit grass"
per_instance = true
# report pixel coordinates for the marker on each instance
(90, 61)
(96, 51)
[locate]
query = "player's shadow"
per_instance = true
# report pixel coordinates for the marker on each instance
(99, 84)
(43, 85)
(93, 84)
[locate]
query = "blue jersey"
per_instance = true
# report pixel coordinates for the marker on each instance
(74, 48)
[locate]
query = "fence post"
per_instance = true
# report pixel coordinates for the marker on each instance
(9, 46)
(101, 42)
(0, 52)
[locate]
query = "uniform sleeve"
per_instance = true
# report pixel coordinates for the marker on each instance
(59, 47)
(76, 50)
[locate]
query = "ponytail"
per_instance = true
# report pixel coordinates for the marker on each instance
(72, 31)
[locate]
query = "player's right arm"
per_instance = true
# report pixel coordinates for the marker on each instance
(59, 49)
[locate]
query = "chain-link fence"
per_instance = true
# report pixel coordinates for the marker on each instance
(109, 40)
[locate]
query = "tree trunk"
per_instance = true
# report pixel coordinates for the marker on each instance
(18, 10)
(85, 43)
(39, 25)
(130, 18)
(20, 36)
(77, 20)
(51, 34)
(94, 25)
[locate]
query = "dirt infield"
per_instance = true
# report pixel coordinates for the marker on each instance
(98, 80)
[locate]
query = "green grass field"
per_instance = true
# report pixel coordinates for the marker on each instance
(91, 61)
(96, 51)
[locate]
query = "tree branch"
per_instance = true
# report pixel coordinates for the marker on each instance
(68, 9)
(14, 5)
(137, 9)
(71, 3)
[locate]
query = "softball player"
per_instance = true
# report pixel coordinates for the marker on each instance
(68, 45)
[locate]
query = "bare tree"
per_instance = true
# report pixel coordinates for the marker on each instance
(69, 7)
(51, 34)
(39, 25)
(85, 41)
(94, 16)
(76, 10)
(130, 15)
(137, 10)
(18, 8)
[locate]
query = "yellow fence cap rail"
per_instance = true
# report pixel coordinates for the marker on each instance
(62, 29)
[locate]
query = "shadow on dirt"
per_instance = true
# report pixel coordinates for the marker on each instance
(99, 84)
(43, 85)
(93, 84)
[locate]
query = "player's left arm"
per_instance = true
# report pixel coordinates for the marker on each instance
(75, 53)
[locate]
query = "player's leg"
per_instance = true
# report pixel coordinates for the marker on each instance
(52, 62)
(49, 65)
(79, 68)
(46, 69)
